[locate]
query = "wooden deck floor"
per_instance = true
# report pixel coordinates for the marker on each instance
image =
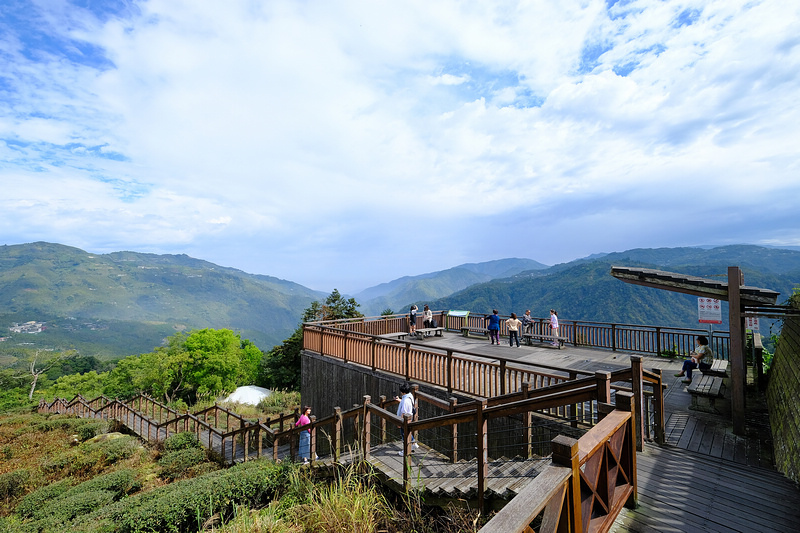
(705, 478)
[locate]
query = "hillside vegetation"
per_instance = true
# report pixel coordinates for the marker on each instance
(585, 290)
(149, 296)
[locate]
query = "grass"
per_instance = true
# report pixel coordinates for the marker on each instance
(113, 474)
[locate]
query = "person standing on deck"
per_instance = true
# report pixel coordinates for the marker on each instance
(304, 448)
(513, 325)
(412, 320)
(494, 326)
(406, 407)
(527, 322)
(554, 326)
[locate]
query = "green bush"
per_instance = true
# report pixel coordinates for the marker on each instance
(119, 483)
(92, 429)
(177, 464)
(115, 448)
(181, 441)
(63, 510)
(185, 505)
(92, 455)
(40, 497)
(12, 484)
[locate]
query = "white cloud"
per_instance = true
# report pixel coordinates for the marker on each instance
(336, 131)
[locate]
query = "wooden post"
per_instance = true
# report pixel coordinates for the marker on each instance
(738, 370)
(613, 337)
(624, 401)
(565, 453)
(449, 371)
(383, 420)
(374, 343)
(638, 396)
(336, 437)
(483, 453)
(406, 450)
(313, 440)
(658, 408)
(603, 390)
(526, 390)
(454, 431)
(367, 425)
(502, 377)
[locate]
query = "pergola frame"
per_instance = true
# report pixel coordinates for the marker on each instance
(738, 296)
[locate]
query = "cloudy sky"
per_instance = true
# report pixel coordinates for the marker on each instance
(341, 144)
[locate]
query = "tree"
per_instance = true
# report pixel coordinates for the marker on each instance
(280, 367)
(202, 361)
(335, 307)
(41, 361)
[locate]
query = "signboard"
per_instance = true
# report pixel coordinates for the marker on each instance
(751, 323)
(709, 311)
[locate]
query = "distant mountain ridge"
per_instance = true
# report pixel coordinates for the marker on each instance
(127, 302)
(54, 280)
(585, 290)
(399, 293)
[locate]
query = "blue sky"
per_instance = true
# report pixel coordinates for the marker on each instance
(344, 144)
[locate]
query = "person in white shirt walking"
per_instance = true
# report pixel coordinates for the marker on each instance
(406, 407)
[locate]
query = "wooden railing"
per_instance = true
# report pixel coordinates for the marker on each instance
(353, 429)
(477, 375)
(584, 489)
(655, 340)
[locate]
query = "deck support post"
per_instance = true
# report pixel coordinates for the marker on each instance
(638, 397)
(366, 429)
(565, 453)
(483, 454)
(736, 324)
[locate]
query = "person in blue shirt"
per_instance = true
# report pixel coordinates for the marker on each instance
(494, 327)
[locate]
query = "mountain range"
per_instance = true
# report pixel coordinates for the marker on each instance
(127, 302)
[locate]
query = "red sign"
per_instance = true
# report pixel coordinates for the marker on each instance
(709, 311)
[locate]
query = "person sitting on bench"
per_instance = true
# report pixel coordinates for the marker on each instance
(427, 318)
(701, 358)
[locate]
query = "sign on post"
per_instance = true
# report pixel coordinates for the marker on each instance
(751, 323)
(709, 311)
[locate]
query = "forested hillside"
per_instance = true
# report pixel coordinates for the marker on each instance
(585, 290)
(145, 294)
(397, 294)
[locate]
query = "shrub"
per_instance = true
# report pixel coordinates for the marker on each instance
(119, 483)
(39, 498)
(181, 441)
(92, 429)
(178, 464)
(12, 484)
(57, 514)
(185, 505)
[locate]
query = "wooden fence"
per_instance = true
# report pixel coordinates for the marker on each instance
(478, 375)
(654, 340)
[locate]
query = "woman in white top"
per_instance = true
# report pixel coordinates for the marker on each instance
(554, 326)
(427, 317)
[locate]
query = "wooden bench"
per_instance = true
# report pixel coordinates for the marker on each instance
(709, 387)
(428, 332)
(528, 339)
(466, 331)
(398, 335)
(719, 367)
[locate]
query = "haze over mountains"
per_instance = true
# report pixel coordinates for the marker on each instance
(126, 302)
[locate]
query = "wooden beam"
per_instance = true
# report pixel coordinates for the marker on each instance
(696, 286)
